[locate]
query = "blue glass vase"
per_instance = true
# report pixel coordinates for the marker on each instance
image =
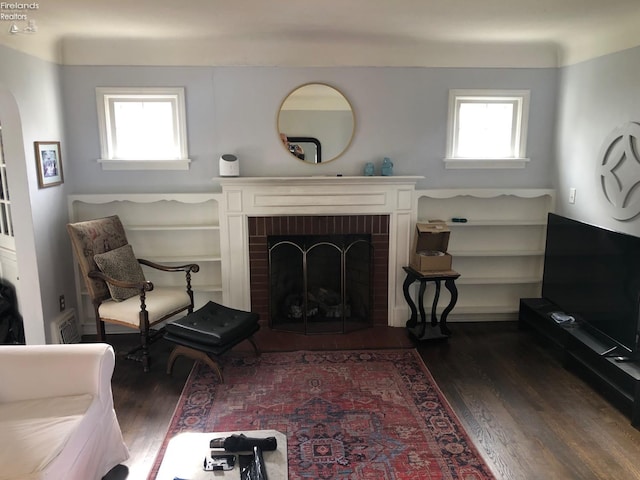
(369, 169)
(387, 167)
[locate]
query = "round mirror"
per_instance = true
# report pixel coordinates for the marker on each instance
(316, 123)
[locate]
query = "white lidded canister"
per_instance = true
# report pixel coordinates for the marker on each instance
(229, 166)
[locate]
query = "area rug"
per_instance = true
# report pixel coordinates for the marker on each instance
(369, 414)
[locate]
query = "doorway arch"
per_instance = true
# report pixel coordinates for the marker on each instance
(25, 268)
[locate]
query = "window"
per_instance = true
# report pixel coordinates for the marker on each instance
(6, 222)
(142, 128)
(487, 128)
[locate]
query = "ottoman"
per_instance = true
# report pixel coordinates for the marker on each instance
(209, 332)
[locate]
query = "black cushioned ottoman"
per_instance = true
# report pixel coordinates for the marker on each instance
(214, 325)
(212, 329)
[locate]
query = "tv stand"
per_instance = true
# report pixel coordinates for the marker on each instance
(616, 378)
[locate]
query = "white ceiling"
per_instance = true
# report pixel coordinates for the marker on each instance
(326, 32)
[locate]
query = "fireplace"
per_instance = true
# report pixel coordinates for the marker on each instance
(331, 246)
(320, 283)
(254, 208)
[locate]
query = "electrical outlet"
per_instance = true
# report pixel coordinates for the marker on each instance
(62, 303)
(572, 195)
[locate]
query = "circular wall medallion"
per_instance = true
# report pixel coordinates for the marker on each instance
(618, 172)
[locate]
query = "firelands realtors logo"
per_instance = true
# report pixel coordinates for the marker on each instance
(15, 12)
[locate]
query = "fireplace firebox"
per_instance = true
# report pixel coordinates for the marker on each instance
(375, 228)
(320, 283)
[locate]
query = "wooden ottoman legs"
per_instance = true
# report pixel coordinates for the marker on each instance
(202, 356)
(195, 355)
(255, 347)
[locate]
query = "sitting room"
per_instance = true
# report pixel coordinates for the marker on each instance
(309, 175)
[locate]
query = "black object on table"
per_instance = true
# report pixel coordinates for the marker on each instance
(422, 330)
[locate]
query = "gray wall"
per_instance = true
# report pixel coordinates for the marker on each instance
(42, 247)
(400, 113)
(595, 97)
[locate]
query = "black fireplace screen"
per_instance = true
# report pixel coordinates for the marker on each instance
(320, 283)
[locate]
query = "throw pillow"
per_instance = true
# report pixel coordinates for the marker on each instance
(120, 264)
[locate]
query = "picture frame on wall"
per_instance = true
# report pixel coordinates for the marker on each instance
(49, 162)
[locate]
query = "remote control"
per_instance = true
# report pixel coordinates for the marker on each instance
(561, 317)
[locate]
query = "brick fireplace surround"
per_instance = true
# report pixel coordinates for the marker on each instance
(254, 207)
(375, 225)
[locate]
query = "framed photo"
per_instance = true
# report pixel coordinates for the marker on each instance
(49, 164)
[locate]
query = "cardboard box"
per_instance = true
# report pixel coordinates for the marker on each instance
(430, 243)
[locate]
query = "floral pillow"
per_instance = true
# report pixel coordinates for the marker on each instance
(120, 264)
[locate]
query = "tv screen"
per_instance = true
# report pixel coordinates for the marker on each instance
(593, 274)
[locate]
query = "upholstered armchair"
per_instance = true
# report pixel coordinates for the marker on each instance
(117, 286)
(57, 419)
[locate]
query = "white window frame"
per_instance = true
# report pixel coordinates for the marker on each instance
(7, 236)
(519, 98)
(105, 98)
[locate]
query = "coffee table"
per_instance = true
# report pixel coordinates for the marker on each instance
(185, 455)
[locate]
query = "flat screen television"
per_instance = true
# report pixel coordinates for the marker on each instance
(593, 274)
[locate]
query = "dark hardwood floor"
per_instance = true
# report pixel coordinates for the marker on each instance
(528, 416)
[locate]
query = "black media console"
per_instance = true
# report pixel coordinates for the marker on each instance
(582, 351)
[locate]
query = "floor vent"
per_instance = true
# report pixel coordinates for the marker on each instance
(65, 328)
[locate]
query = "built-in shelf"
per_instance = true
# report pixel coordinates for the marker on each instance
(498, 250)
(496, 223)
(497, 280)
(496, 253)
(181, 228)
(182, 259)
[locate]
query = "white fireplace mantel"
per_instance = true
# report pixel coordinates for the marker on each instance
(319, 180)
(243, 197)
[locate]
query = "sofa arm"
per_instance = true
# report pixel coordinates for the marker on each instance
(39, 371)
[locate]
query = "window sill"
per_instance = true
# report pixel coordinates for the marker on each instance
(467, 163)
(108, 164)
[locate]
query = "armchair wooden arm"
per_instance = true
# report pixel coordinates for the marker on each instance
(189, 268)
(145, 286)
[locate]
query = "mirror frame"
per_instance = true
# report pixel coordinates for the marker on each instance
(310, 140)
(353, 121)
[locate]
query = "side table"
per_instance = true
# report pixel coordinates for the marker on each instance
(420, 330)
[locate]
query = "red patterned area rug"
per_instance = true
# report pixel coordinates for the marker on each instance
(369, 414)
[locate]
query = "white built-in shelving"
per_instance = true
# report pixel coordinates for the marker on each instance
(499, 250)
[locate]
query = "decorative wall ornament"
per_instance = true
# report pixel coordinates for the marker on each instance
(618, 172)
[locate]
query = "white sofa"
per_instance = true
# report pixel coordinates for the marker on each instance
(56, 412)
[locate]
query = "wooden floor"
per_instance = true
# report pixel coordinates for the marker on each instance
(528, 416)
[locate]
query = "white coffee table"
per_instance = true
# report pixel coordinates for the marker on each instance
(186, 452)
